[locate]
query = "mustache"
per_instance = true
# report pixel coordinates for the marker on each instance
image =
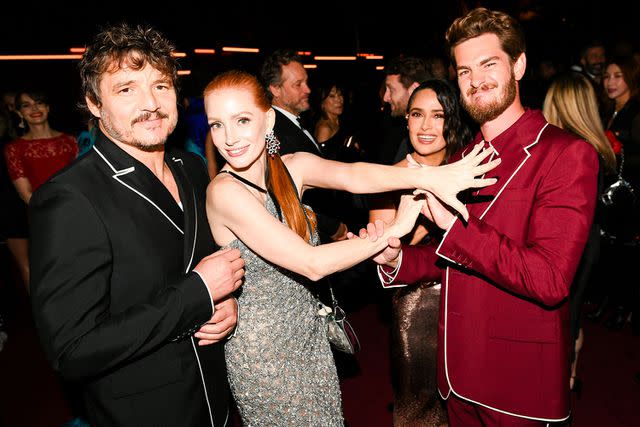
(150, 116)
(484, 86)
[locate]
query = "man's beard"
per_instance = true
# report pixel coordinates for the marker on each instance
(488, 112)
(595, 69)
(127, 137)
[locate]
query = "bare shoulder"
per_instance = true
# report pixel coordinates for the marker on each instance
(222, 189)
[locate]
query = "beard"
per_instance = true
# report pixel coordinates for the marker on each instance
(298, 106)
(126, 136)
(487, 112)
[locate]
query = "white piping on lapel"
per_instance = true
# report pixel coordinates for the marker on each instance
(204, 384)
(195, 219)
(119, 173)
(446, 304)
(526, 150)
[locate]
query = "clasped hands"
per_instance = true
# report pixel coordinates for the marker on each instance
(450, 180)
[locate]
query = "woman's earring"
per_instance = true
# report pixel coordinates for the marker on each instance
(21, 124)
(273, 145)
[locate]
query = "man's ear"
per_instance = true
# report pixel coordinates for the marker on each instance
(520, 66)
(95, 110)
(413, 87)
(275, 91)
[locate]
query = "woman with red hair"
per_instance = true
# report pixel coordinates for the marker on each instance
(281, 368)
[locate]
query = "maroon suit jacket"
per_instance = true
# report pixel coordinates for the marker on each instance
(504, 325)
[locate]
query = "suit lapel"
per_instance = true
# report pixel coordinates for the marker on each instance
(137, 178)
(288, 129)
(513, 147)
(188, 198)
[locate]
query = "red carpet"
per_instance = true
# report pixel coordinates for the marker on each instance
(30, 393)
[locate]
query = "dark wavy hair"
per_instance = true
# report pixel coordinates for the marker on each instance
(455, 132)
(121, 45)
(34, 93)
(271, 70)
(410, 69)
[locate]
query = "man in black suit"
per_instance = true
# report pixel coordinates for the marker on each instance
(286, 82)
(115, 237)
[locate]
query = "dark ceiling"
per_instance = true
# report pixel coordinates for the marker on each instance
(324, 27)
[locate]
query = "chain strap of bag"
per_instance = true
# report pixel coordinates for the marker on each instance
(340, 333)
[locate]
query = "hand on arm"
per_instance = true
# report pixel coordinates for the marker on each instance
(222, 272)
(388, 256)
(223, 321)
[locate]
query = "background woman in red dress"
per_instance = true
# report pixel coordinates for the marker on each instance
(35, 156)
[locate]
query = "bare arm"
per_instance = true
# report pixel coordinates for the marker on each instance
(23, 187)
(443, 181)
(248, 220)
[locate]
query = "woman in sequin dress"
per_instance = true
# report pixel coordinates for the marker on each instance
(281, 369)
(436, 131)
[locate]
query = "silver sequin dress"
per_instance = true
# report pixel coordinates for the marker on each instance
(281, 369)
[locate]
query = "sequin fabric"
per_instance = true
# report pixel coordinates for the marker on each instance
(281, 369)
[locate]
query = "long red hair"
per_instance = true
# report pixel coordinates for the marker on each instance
(279, 185)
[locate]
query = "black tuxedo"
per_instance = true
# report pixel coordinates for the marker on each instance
(114, 298)
(292, 140)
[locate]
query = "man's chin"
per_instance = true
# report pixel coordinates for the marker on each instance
(151, 148)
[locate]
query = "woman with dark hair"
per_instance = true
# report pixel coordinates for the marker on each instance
(435, 132)
(280, 365)
(330, 131)
(622, 113)
(622, 117)
(36, 155)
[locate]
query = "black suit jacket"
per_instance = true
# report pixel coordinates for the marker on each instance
(292, 140)
(114, 297)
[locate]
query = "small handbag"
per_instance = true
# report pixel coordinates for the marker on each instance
(339, 331)
(620, 208)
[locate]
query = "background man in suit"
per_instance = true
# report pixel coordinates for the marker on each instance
(115, 236)
(286, 82)
(503, 339)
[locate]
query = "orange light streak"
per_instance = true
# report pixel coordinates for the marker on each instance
(241, 49)
(37, 57)
(334, 58)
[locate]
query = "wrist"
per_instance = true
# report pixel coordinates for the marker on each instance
(394, 263)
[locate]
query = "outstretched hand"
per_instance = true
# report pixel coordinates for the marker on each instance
(446, 181)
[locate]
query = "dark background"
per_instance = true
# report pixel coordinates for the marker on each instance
(555, 30)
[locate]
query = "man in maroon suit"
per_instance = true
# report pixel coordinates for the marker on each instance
(506, 272)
